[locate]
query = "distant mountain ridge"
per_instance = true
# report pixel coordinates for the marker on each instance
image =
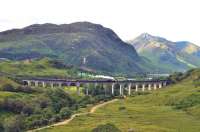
(97, 48)
(168, 55)
(82, 44)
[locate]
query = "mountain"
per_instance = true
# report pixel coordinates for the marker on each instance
(83, 44)
(169, 56)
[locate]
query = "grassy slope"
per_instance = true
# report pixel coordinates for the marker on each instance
(41, 67)
(6, 94)
(154, 112)
(29, 97)
(166, 62)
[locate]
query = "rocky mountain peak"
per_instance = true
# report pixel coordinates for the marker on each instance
(146, 36)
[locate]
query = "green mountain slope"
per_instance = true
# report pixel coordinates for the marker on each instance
(169, 56)
(38, 68)
(175, 108)
(82, 44)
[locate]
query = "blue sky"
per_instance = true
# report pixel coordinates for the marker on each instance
(175, 20)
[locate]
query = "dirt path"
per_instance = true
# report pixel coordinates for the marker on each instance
(65, 122)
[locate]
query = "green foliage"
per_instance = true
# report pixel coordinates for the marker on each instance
(7, 83)
(59, 99)
(38, 106)
(176, 77)
(197, 83)
(1, 127)
(65, 112)
(8, 87)
(106, 128)
(13, 124)
(122, 108)
(189, 101)
(40, 67)
(154, 112)
(191, 75)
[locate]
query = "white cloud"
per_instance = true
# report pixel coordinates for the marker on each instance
(173, 19)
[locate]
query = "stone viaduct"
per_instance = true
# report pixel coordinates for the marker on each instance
(114, 86)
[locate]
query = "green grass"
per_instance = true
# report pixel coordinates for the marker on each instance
(5, 114)
(43, 67)
(145, 118)
(154, 112)
(5, 94)
(73, 90)
(5, 81)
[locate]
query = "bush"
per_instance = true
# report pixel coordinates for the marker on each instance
(141, 93)
(189, 101)
(106, 128)
(42, 101)
(11, 88)
(86, 100)
(65, 112)
(47, 113)
(1, 127)
(122, 108)
(197, 83)
(27, 110)
(16, 106)
(56, 118)
(13, 124)
(25, 89)
(176, 77)
(59, 99)
(12, 105)
(8, 87)
(59, 65)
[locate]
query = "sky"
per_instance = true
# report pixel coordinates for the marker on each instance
(176, 20)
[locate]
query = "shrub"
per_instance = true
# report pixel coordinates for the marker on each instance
(59, 99)
(176, 77)
(56, 118)
(27, 110)
(189, 101)
(58, 64)
(65, 112)
(106, 128)
(40, 67)
(122, 108)
(1, 127)
(197, 83)
(13, 124)
(47, 113)
(86, 100)
(11, 88)
(8, 87)
(15, 106)
(25, 89)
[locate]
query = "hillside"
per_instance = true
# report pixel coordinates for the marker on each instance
(24, 108)
(82, 44)
(169, 56)
(39, 68)
(175, 108)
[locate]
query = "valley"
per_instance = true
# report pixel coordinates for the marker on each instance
(173, 109)
(81, 77)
